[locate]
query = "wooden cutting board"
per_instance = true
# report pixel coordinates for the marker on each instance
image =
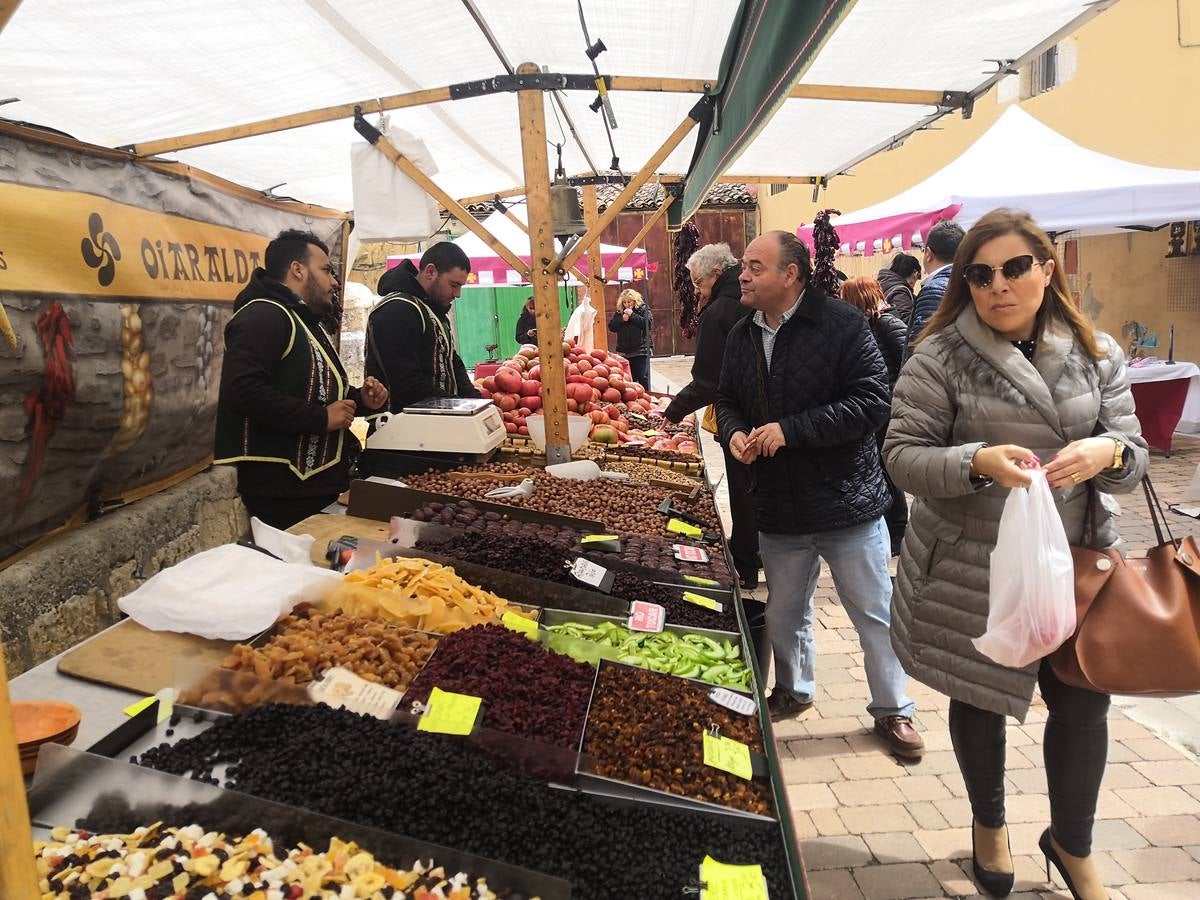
(326, 527)
(137, 659)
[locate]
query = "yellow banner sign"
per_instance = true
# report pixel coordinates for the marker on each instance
(66, 242)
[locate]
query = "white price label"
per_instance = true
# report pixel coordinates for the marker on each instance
(588, 572)
(688, 553)
(342, 689)
(728, 699)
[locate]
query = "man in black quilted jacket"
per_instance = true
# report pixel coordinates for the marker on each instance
(803, 389)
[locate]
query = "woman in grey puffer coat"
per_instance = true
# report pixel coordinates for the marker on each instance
(1006, 374)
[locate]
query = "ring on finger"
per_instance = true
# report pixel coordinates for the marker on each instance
(1075, 478)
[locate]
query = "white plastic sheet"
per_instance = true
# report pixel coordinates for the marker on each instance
(227, 593)
(1031, 597)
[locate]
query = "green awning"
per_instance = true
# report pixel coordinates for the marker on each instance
(771, 44)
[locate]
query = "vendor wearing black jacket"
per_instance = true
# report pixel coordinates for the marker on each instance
(632, 324)
(803, 390)
(285, 406)
(410, 346)
(714, 271)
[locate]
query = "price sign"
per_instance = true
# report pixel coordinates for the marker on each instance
(450, 713)
(725, 882)
(342, 689)
(700, 582)
(646, 616)
(728, 755)
(650, 433)
(688, 553)
(519, 623)
(678, 526)
(728, 699)
(589, 573)
(598, 538)
(701, 600)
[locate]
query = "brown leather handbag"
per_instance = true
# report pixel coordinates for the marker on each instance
(1138, 628)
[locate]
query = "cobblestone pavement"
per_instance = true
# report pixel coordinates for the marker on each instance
(870, 827)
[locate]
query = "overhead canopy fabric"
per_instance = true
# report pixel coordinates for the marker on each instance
(489, 268)
(1020, 162)
(127, 73)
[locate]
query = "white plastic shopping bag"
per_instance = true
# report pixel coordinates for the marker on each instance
(580, 324)
(1031, 596)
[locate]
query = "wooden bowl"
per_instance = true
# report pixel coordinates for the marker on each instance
(44, 721)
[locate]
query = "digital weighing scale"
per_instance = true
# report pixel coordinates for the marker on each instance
(441, 425)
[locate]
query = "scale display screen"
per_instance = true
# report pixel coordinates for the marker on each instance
(449, 406)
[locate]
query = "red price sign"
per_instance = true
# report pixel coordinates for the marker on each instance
(688, 553)
(646, 616)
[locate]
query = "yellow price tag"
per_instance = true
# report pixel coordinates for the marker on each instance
(701, 600)
(728, 755)
(681, 527)
(700, 582)
(650, 433)
(598, 538)
(450, 713)
(165, 707)
(526, 626)
(726, 882)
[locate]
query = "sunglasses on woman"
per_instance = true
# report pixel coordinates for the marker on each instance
(980, 276)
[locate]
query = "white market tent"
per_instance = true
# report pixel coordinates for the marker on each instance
(1020, 162)
(489, 268)
(133, 73)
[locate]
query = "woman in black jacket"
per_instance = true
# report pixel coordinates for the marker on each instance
(889, 331)
(527, 324)
(632, 323)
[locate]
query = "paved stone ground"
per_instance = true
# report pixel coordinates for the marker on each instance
(870, 827)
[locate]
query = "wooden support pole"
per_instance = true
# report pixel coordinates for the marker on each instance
(18, 871)
(595, 281)
(508, 214)
(405, 165)
(7, 8)
(650, 223)
(682, 130)
(798, 92)
(532, 112)
(284, 123)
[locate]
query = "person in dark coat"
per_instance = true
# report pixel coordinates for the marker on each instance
(898, 281)
(632, 324)
(866, 295)
(285, 405)
(940, 246)
(715, 271)
(803, 391)
(527, 324)
(410, 346)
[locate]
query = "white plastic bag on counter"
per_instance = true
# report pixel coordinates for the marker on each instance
(1031, 593)
(228, 593)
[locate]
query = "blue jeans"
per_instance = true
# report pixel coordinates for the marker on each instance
(858, 559)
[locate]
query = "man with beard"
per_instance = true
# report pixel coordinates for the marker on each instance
(285, 405)
(410, 347)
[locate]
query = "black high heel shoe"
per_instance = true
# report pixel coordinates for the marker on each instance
(997, 884)
(1052, 857)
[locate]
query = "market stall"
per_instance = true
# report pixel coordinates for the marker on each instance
(584, 642)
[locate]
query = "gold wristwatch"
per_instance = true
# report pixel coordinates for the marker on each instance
(1118, 460)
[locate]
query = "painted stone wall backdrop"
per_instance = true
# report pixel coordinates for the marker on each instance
(116, 282)
(1127, 278)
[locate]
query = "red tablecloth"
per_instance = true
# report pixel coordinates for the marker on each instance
(1159, 406)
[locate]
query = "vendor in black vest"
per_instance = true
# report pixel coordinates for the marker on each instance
(285, 406)
(410, 347)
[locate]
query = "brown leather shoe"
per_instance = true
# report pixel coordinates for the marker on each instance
(782, 705)
(901, 736)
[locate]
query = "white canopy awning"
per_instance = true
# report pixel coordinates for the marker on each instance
(130, 71)
(1020, 162)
